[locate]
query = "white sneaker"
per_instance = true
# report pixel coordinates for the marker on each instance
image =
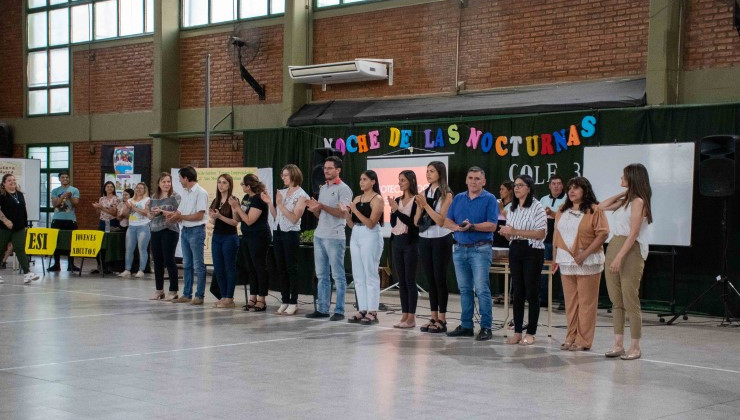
(282, 309)
(125, 273)
(139, 275)
(29, 277)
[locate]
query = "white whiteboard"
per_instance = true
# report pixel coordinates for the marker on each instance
(671, 170)
(27, 174)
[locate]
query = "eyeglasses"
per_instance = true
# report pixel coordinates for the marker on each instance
(520, 185)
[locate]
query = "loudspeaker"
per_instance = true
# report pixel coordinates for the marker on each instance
(6, 140)
(317, 167)
(717, 165)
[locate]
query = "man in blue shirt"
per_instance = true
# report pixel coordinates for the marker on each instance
(473, 215)
(64, 199)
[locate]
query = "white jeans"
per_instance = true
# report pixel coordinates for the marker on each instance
(365, 247)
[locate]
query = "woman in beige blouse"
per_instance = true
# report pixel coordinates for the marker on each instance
(581, 228)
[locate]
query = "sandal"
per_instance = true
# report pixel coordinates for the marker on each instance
(260, 306)
(566, 345)
(356, 318)
(438, 327)
(528, 340)
(250, 305)
(370, 318)
(404, 325)
(425, 328)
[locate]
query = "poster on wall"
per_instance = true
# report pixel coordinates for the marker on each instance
(126, 181)
(207, 178)
(123, 160)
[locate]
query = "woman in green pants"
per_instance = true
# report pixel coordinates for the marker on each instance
(14, 220)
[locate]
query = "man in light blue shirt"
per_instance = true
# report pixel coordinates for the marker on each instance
(64, 199)
(473, 215)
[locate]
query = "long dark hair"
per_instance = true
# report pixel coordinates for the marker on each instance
(509, 187)
(159, 189)
(411, 178)
(638, 186)
(527, 201)
(376, 187)
(253, 182)
(589, 198)
(216, 204)
(373, 177)
(441, 169)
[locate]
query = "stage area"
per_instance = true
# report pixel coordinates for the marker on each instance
(96, 348)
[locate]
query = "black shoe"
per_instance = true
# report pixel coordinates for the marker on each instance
(317, 314)
(561, 306)
(73, 268)
(336, 317)
(484, 334)
(96, 271)
(4, 265)
(53, 268)
(461, 332)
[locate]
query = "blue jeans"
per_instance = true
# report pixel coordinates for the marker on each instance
(192, 240)
(137, 235)
(330, 253)
(223, 251)
(471, 268)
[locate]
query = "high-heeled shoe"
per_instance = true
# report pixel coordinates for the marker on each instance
(281, 309)
(633, 355)
(260, 306)
(291, 310)
(171, 296)
(566, 345)
(514, 339)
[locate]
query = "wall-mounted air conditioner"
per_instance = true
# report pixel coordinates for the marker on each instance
(359, 70)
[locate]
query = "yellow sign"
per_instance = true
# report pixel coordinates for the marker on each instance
(41, 241)
(86, 243)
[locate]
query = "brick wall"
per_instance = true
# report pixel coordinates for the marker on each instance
(11, 59)
(86, 177)
(223, 155)
(710, 40)
(502, 43)
(266, 67)
(116, 79)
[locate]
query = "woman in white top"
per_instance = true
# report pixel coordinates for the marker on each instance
(290, 203)
(626, 254)
(435, 242)
(138, 232)
(404, 250)
(526, 228)
(580, 231)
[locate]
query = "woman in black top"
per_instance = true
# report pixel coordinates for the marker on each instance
(224, 241)
(365, 246)
(14, 220)
(256, 238)
(404, 239)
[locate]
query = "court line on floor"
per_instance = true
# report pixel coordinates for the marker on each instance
(30, 293)
(95, 359)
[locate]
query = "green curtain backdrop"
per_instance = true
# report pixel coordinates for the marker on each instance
(696, 266)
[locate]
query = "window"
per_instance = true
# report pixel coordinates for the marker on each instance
(53, 25)
(54, 158)
(332, 3)
(205, 12)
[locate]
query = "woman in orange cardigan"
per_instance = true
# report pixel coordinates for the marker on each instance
(580, 231)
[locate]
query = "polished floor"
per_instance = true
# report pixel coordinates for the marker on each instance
(96, 348)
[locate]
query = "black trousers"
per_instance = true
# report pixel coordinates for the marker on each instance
(525, 263)
(435, 255)
(405, 258)
(285, 246)
(63, 225)
(253, 251)
(164, 243)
